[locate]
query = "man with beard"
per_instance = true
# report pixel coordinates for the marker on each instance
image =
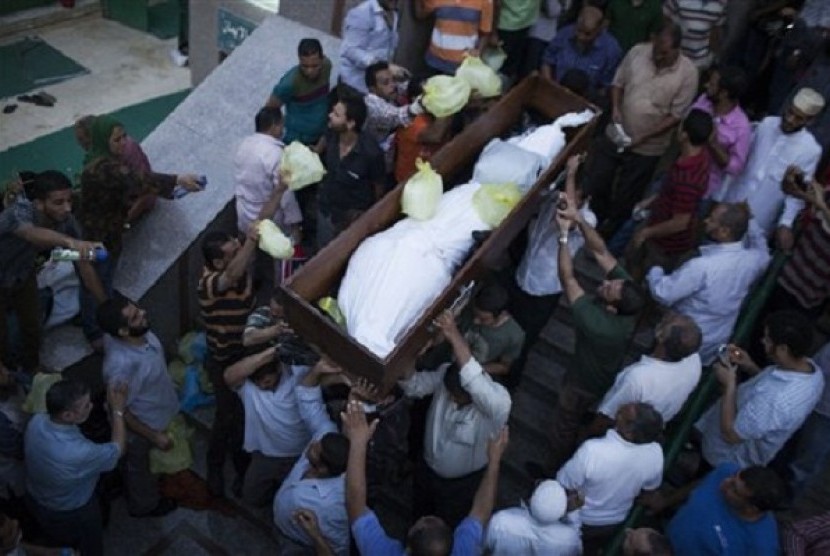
(779, 142)
(729, 145)
(354, 170)
(710, 288)
(603, 323)
(134, 356)
(750, 423)
(586, 45)
(383, 115)
(62, 466)
(26, 227)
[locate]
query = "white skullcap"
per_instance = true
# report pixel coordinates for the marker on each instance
(548, 502)
(808, 101)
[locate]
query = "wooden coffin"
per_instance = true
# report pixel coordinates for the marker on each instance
(321, 276)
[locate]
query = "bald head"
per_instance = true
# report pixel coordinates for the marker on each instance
(589, 25)
(679, 337)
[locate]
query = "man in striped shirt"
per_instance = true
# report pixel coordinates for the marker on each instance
(702, 22)
(669, 234)
(226, 298)
(461, 27)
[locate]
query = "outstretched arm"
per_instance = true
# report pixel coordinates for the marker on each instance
(485, 498)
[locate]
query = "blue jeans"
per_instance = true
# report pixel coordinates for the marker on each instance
(106, 273)
(813, 450)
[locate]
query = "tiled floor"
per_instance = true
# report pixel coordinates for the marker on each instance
(127, 67)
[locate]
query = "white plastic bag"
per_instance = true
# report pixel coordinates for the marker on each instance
(273, 241)
(422, 192)
(445, 95)
(300, 166)
(502, 162)
(481, 77)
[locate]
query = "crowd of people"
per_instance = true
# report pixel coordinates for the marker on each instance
(710, 156)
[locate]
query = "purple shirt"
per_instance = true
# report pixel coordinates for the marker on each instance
(133, 156)
(600, 61)
(735, 134)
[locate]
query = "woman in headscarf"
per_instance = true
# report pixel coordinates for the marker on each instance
(113, 196)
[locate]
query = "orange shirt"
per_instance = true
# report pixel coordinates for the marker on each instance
(409, 149)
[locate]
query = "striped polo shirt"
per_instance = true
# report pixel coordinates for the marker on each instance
(225, 313)
(458, 24)
(697, 18)
(807, 273)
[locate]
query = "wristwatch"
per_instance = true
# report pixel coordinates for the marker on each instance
(118, 413)
(563, 239)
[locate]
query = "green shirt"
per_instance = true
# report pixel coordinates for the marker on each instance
(517, 14)
(601, 339)
(306, 104)
(501, 343)
(631, 25)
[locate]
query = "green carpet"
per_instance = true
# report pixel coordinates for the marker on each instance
(30, 63)
(59, 151)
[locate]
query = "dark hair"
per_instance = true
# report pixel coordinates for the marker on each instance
(769, 491)
(268, 369)
(735, 218)
(434, 539)
(212, 246)
(733, 80)
(698, 126)
(110, 315)
(371, 74)
(415, 87)
(658, 545)
(576, 81)
(492, 298)
(452, 380)
(62, 395)
(47, 182)
(355, 111)
(791, 329)
(334, 452)
(267, 117)
(683, 338)
(309, 47)
(647, 425)
(671, 29)
(632, 299)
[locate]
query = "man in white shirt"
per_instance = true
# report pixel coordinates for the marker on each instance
(468, 409)
(663, 379)
(549, 524)
(610, 472)
(275, 434)
(711, 288)
(779, 142)
(259, 192)
(316, 482)
(750, 423)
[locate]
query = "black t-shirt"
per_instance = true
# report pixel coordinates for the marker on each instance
(348, 184)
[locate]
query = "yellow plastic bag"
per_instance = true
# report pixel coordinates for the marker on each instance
(493, 202)
(332, 309)
(273, 241)
(179, 457)
(481, 77)
(300, 166)
(445, 95)
(422, 192)
(35, 401)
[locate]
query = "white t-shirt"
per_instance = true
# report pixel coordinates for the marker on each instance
(610, 472)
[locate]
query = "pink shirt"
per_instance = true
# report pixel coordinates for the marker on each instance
(735, 134)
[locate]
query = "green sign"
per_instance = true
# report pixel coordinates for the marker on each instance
(232, 30)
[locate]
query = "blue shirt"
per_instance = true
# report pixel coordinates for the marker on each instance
(62, 466)
(372, 540)
(707, 525)
(151, 394)
(599, 61)
(325, 497)
(367, 39)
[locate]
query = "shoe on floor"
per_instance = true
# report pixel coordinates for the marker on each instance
(178, 58)
(164, 507)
